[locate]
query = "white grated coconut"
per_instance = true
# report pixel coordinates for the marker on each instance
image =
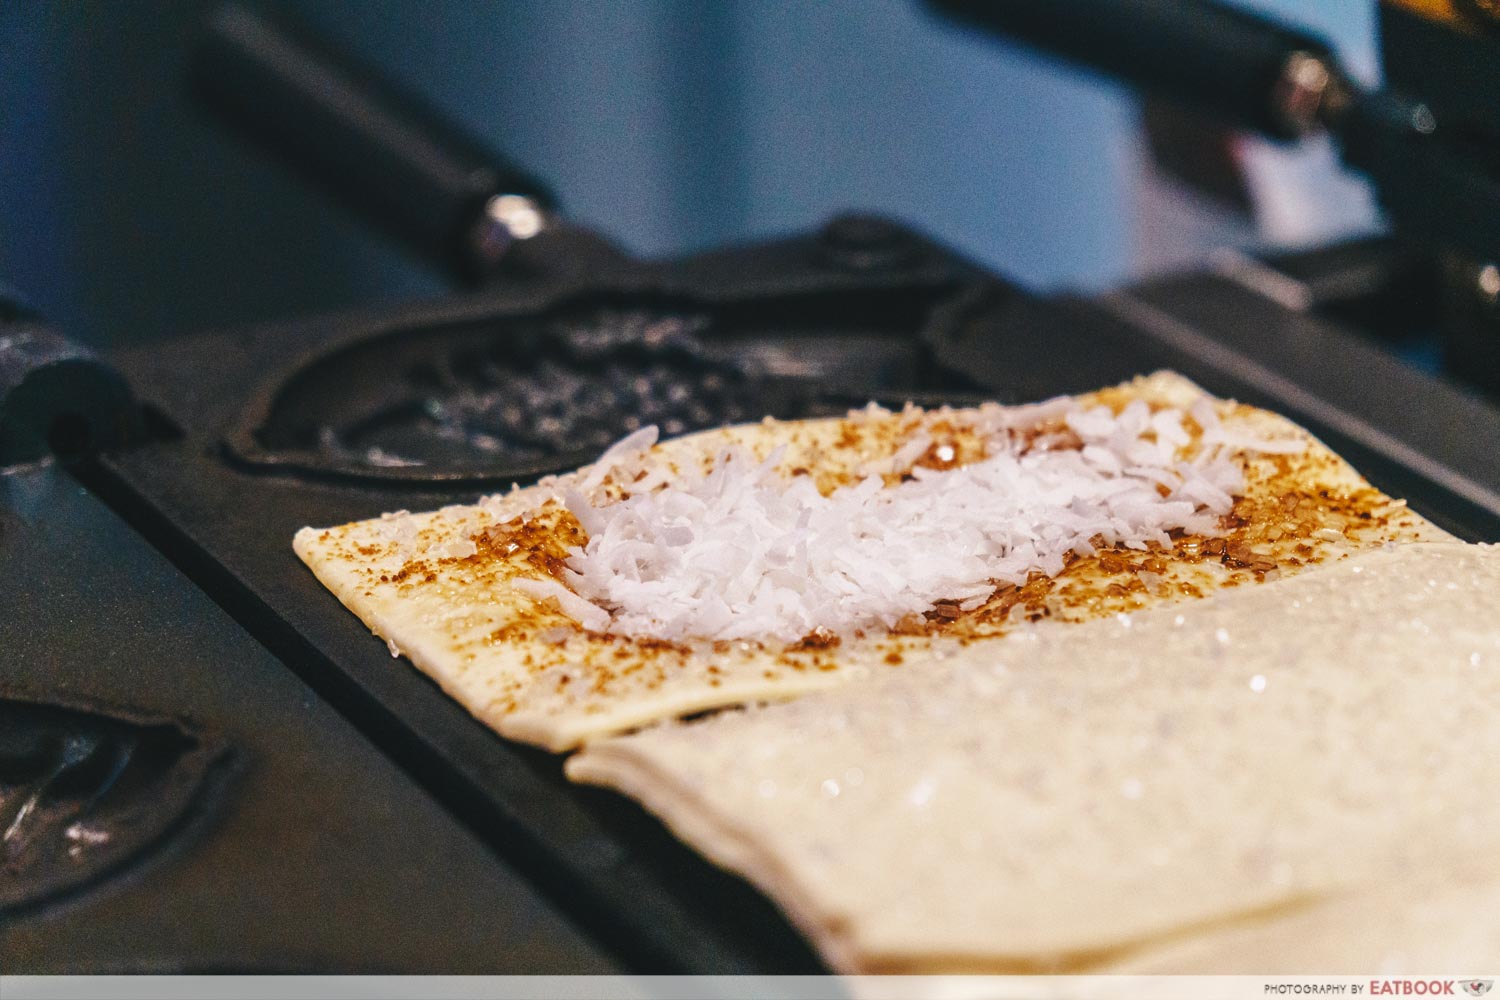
(745, 552)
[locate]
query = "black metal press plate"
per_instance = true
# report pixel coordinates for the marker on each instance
(610, 866)
(262, 832)
(228, 522)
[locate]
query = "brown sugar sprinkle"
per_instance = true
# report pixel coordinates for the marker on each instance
(541, 542)
(1281, 522)
(1270, 528)
(1050, 436)
(820, 638)
(942, 455)
(510, 633)
(417, 570)
(539, 545)
(910, 625)
(1113, 562)
(660, 646)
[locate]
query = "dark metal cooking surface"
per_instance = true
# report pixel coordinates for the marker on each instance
(516, 396)
(306, 850)
(83, 791)
(227, 523)
(173, 797)
(488, 403)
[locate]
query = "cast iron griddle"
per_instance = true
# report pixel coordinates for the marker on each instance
(284, 842)
(228, 523)
(227, 518)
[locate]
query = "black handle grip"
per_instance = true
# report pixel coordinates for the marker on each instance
(1234, 64)
(55, 396)
(379, 147)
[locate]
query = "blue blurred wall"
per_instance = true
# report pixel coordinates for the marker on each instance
(678, 124)
(672, 124)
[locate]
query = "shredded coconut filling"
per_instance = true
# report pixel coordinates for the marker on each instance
(745, 552)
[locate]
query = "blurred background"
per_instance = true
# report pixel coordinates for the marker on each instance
(127, 214)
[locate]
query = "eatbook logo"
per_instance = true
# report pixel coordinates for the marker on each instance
(1478, 987)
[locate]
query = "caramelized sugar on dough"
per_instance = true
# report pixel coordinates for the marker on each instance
(1295, 777)
(440, 587)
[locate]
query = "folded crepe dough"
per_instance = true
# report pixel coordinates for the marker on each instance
(1294, 777)
(439, 587)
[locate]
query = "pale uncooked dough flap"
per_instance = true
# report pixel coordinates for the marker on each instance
(1153, 792)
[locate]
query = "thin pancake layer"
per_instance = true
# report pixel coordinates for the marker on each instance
(1150, 791)
(442, 587)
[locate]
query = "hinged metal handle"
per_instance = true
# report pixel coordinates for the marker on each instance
(55, 396)
(396, 158)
